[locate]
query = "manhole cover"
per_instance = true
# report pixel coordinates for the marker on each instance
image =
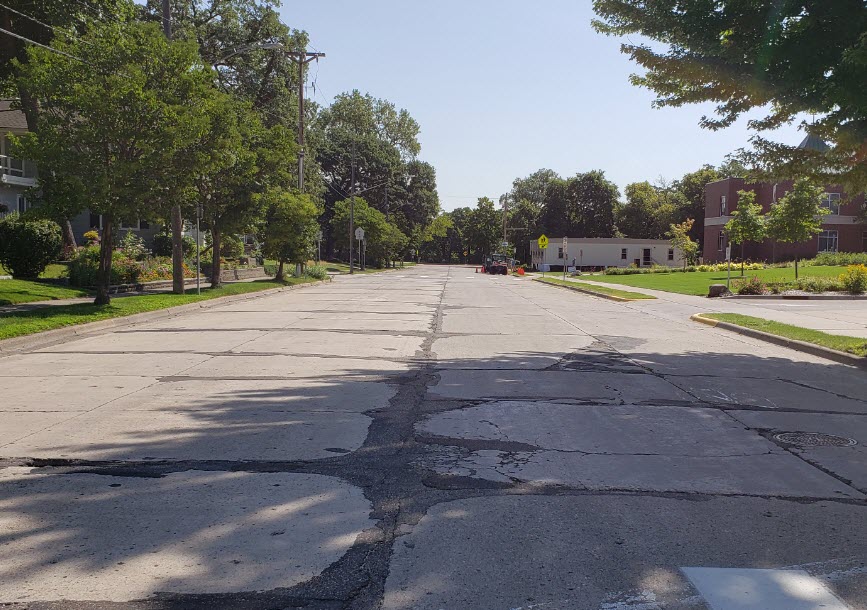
(814, 439)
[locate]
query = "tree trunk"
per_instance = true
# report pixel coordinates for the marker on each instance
(69, 244)
(103, 275)
(280, 275)
(177, 251)
(216, 267)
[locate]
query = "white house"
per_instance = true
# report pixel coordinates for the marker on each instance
(602, 252)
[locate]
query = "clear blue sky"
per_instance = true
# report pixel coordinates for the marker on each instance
(502, 88)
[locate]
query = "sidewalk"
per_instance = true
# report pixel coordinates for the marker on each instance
(842, 317)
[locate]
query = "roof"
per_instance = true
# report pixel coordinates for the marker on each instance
(812, 142)
(11, 119)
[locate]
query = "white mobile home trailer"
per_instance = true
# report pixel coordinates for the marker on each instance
(602, 252)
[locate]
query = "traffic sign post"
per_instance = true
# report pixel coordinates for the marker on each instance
(565, 256)
(729, 266)
(359, 237)
(319, 247)
(543, 246)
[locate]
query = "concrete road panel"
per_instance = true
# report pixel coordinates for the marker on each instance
(192, 340)
(238, 396)
(613, 552)
(104, 538)
(591, 387)
(610, 429)
(326, 343)
(98, 365)
(834, 454)
(268, 436)
(505, 351)
(284, 366)
(68, 393)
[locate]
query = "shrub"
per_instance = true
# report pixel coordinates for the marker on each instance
(854, 279)
(231, 247)
(833, 259)
(817, 284)
(133, 246)
(751, 285)
(84, 267)
(27, 246)
(317, 272)
(92, 237)
(162, 245)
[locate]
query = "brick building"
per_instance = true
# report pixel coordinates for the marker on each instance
(841, 231)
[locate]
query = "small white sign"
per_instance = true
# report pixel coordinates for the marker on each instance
(728, 253)
(359, 233)
(319, 236)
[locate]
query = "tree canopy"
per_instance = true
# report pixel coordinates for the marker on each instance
(785, 59)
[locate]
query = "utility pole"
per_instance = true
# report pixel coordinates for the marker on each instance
(302, 58)
(176, 217)
(352, 209)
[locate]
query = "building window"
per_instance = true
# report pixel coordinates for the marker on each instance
(648, 259)
(126, 225)
(828, 241)
(671, 254)
(723, 205)
(559, 252)
(23, 204)
(623, 254)
(721, 241)
(831, 201)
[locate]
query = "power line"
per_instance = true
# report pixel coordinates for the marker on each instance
(44, 46)
(45, 25)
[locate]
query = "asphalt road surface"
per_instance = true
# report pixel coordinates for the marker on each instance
(431, 439)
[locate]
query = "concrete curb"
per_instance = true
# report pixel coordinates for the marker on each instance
(59, 335)
(609, 297)
(798, 297)
(801, 346)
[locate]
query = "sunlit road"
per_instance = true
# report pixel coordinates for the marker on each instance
(431, 439)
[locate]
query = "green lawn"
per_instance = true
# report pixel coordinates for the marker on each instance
(852, 345)
(52, 272)
(13, 292)
(697, 283)
(47, 318)
(623, 294)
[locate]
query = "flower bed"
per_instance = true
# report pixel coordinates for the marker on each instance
(851, 282)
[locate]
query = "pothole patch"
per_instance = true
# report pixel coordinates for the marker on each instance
(814, 439)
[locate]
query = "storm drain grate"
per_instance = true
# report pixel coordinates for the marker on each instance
(814, 439)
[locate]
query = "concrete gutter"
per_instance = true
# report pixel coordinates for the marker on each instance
(59, 335)
(601, 295)
(801, 346)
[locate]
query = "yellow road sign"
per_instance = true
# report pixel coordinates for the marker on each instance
(543, 242)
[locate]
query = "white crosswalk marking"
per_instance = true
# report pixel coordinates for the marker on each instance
(749, 589)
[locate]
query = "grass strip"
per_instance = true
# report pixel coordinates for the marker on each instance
(17, 324)
(612, 292)
(14, 292)
(841, 343)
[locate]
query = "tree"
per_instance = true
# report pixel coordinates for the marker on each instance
(251, 158)
(797, 217)
(110, 124)
(649, 210)
(41, 21)
(783, 58)
(692, 187)
(435, 239)
(383, 142)
(382, 237)
(747, 222)
(289, 228)
(680, 240)
(484, 228)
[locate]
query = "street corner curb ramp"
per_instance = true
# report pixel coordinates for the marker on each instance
(801, 346)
